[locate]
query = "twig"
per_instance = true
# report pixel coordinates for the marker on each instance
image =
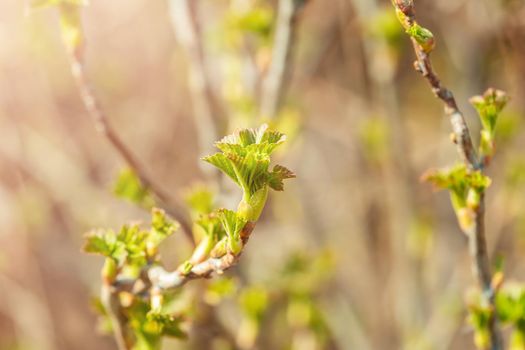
(465, 148)
(162, 279)
(103, 126)
(276, 80)
(210, 119)
(110, 300)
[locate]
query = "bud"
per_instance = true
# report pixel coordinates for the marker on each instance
(109, 271)
(466, 219)
(151, 249)
(235, 245)
(220, 249)
(185, 268)
(203, 249)
(423, 37)
(473, 199)
(250, 209)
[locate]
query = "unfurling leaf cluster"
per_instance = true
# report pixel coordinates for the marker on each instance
(465, 187)
(132, 252)
(489, 106)
(245, 158)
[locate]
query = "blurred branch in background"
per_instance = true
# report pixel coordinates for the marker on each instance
(208, 112)
(278, 76)
(74, 41)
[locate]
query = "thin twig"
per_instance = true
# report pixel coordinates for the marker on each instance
(210, 119)
(274, 85)
(100, 119)
(462, 139)
(162, 279)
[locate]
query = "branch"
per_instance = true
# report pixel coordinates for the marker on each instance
(110, 300)
(461, 137)
(210, 119)
(161, 279)
(102, 125)
(281, 63)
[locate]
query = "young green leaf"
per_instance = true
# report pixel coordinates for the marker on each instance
(278, 174)
(104, 242)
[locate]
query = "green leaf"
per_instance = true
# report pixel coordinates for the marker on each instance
(128, 186)
(161, 224)
(222, 162)
(245, 158)
(104, 242)
(210, 225)
(231, 222)
(278, 174)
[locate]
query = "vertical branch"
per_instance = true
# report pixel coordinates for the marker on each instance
(110, 300)
(274, 85)
(210, 120)
(461, 137)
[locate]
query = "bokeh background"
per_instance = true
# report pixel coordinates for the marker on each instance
(357, 253)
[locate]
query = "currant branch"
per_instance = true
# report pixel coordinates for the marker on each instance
(466, 183)
(133, 274)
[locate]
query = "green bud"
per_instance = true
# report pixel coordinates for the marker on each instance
(185, 268)
(203, 250)
(251, 209)
(486, 143)
(466, 219)
(234, 245)
(423, 37)
(220, 248)
(489, 106)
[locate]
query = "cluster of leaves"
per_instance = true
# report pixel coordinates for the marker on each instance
(489, 107)
(465, 188)
(510, 311)
(132, 247)
(245, 158)
(127, 254)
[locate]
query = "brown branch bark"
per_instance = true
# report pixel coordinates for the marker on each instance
(102, 125)
(162, 279)
(461, 137)
(274, 85)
